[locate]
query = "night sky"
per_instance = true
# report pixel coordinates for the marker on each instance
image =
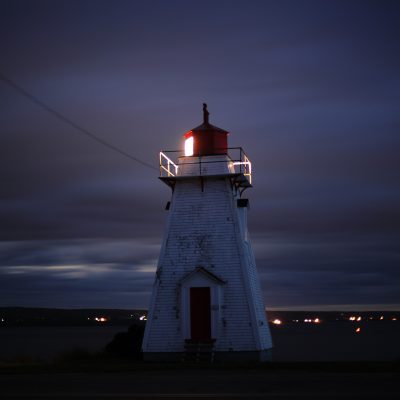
(309, 89)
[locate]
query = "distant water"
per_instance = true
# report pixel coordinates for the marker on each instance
(292, 342)
(337, 341)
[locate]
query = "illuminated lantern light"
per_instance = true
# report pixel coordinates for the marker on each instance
(189, 146)
(277, 322)
(358, 330)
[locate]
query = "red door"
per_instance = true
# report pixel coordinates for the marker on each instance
(200, 313)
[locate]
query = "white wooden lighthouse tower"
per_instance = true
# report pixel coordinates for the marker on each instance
(206, 300)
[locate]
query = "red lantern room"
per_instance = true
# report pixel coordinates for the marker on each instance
(206, 139)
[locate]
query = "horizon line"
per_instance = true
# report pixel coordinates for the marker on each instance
(305, 308)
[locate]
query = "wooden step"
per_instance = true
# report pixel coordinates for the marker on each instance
(198, 351)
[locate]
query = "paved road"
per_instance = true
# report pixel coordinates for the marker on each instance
(201, 384)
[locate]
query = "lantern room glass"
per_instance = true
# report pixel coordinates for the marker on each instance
(189, 146)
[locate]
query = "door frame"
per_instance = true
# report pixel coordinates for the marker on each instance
(200, 280)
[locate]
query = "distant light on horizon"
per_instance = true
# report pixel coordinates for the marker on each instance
(277, 321)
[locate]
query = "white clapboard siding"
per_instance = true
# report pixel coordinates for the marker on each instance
(205, 228)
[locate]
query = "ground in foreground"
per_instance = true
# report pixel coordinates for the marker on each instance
(143, 381)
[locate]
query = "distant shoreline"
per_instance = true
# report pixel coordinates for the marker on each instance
(33, 316)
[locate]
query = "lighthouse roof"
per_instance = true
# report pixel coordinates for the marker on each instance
(206, 126)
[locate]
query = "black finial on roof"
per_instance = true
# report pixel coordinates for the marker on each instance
(206, 126)
(205, 114)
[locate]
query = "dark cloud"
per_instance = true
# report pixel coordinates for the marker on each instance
(309, 89)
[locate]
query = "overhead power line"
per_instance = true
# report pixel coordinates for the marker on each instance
(69, 122)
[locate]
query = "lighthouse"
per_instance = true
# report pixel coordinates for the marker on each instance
(206, 302)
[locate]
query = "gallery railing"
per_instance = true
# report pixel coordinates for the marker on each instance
(236, 159)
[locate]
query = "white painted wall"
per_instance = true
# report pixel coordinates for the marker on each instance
(206, 229)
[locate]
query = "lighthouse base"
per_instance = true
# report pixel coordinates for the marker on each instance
(218, 356)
